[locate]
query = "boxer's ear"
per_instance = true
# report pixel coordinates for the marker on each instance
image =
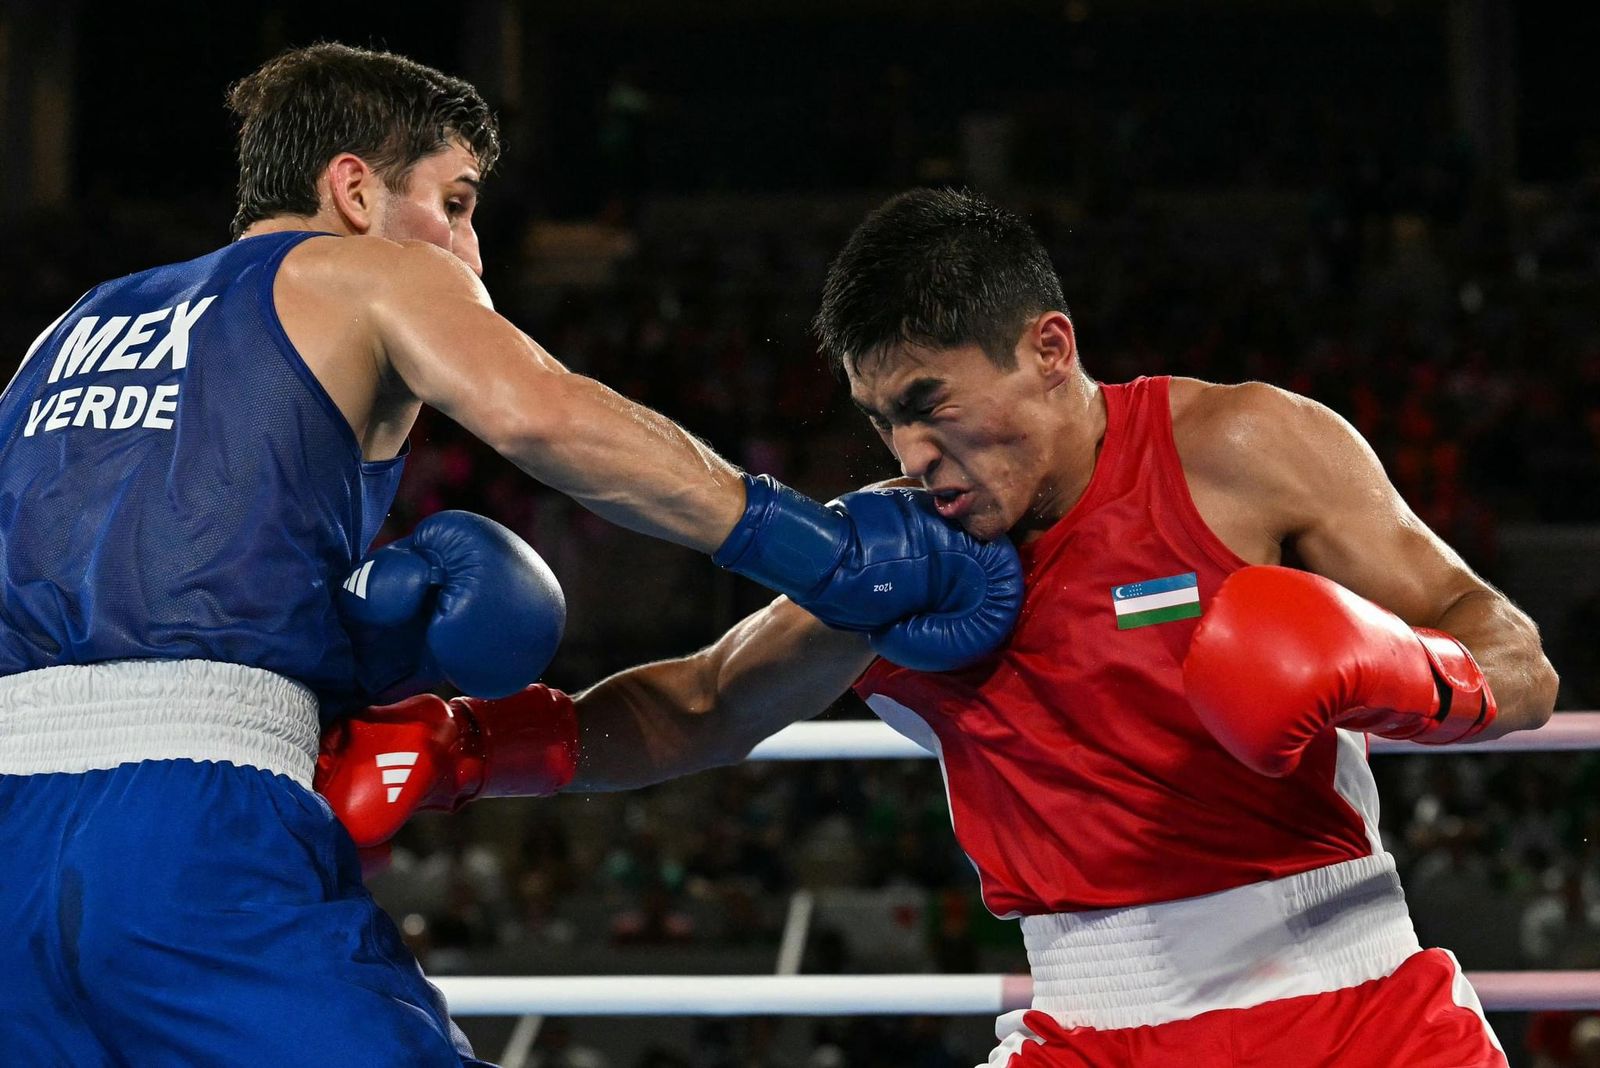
(1049, 344)
(353, 191)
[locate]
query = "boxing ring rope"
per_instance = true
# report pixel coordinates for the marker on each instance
(941, 995)
(874, 740)
(870, 995)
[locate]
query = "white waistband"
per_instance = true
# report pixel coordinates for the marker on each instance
(93, 717)
(1321, 930)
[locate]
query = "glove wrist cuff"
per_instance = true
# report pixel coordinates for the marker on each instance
(1465, 705)
(784, 540)
(528, 743)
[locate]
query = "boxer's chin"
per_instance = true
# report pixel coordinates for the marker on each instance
(985, 524)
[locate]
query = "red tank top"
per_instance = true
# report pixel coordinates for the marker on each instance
(1078, 776)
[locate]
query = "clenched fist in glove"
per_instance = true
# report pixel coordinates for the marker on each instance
(881, 561)
(378, 767)
(461, 600)
(1282, 655)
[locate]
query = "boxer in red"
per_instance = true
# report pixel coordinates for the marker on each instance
(1162, 773)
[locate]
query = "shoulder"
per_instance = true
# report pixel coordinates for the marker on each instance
(1239, 412)
(1233, 429)
(1277, 456)
(362, 270)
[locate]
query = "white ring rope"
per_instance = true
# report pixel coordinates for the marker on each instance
(871, 995)
(875, 740)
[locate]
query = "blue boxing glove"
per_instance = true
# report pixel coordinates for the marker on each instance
(932, 597)
(461, 600)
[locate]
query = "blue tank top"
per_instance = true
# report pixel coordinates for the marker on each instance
(176, 484)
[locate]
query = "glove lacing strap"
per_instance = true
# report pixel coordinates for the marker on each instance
(525, 745)
(1466, 703)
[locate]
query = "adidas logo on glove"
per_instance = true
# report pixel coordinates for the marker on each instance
(357, 582)
(396, 769)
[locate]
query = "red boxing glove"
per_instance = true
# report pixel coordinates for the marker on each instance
(379, 766)
(1281, 655)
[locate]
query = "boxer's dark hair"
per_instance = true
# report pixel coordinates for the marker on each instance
(306, 106)
(940, 268)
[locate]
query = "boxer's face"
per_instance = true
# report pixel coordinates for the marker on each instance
(436, 205)
(975, 434)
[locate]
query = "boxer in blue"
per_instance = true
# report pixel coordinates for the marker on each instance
(193, 460)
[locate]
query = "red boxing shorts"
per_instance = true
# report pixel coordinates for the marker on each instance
(1423, 1015)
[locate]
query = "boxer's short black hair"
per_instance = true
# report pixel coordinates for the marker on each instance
(306, 106)
(939, 268)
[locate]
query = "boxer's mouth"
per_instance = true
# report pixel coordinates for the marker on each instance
(952, 503)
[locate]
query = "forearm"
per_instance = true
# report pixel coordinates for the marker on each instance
(627, 463)
(676, 717)
(649, 724)
(1505, 643)
(435, 330)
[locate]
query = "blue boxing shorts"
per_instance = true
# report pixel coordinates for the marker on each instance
(174, 893)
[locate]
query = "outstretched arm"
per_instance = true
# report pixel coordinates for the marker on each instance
(639, 727)
(709, 709)
(438, 333)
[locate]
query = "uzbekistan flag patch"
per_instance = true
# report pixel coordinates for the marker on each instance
(1158, 600)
